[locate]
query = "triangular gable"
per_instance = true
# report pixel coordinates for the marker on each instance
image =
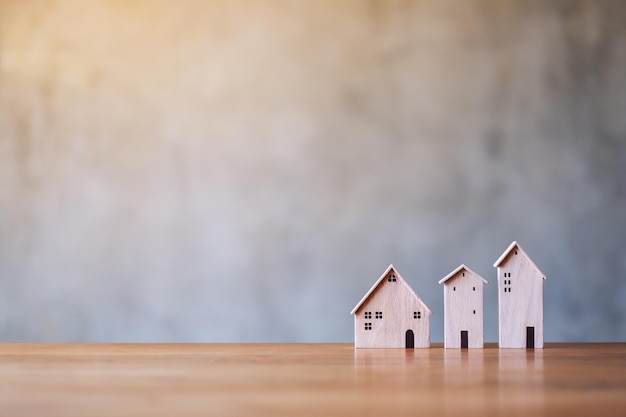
(459, 269)
(509, 249)
(380, 280)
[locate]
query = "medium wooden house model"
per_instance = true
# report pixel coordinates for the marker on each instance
(391, 315)
(463, 307)
(520, 299)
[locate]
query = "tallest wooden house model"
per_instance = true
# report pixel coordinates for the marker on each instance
(520, 299)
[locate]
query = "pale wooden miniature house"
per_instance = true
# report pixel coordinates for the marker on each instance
(520, 299)
(463, 307)
(391, 315)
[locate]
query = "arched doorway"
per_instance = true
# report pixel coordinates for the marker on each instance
(409, 339)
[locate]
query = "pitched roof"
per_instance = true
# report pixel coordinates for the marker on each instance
(509, 249)
(378, 282)
(459, 269)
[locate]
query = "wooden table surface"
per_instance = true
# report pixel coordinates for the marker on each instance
(309, 380)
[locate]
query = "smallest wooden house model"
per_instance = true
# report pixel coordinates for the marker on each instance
(463, 306)
(391, 315)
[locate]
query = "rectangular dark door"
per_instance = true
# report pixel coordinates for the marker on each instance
(463, 339)
(530, 338)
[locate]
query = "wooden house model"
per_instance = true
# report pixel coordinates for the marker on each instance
(391, 315)
(520, 300)
(463, 309)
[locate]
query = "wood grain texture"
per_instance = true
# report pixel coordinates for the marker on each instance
(520, 299)
(463, 308)
(388, 311)
(310, 380)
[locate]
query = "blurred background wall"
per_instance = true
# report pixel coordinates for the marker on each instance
(245, 170)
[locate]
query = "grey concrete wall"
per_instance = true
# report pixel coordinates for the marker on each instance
(244, 171)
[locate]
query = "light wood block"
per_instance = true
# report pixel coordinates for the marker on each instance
(520, 299)
(391, 315)
(463, 309)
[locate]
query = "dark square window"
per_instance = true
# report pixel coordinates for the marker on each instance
(379, 314)
(391, 278)
(368, 315)
(368, 326)
(417, 314)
